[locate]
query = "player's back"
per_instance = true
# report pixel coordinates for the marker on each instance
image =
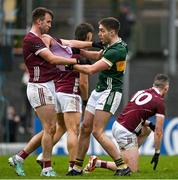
(144, 104)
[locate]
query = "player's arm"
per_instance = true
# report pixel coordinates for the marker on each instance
(94, 55)
(77, 43)
(150, 125)
(84, 86)
(158, 133)
(100, 65)
(47, 55)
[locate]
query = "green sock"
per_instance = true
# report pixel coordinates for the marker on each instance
(79, 162)
(120, 163)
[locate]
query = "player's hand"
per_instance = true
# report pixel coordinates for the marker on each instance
(75, 50)
(83, 61)
(155, 160)
(69, 67)
(98, 44)
(152, 126)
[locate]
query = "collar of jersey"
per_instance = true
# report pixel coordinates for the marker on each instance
(156, 89)
(119, 41)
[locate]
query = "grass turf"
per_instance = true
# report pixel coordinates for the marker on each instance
(166, 169)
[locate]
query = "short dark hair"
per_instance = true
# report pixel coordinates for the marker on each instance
(161, 80)
(110, 23)
(40, 12)
(82, 30)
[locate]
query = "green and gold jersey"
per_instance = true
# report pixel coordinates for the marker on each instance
(115, 57)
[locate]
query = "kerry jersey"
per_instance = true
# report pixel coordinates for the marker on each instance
(115, 56)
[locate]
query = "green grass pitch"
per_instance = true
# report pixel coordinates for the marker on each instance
(166, 169)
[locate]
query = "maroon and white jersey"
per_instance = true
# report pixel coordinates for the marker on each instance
(66, 81)
(39, 69)
(144, 104)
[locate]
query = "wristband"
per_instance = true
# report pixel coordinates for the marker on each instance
(78, 61)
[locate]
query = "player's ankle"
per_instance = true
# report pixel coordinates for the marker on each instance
(77, 168)
(122, 166)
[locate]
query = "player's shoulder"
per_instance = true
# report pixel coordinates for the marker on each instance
(30, 37)
(156, 94)
(120, 46)
(46, 36)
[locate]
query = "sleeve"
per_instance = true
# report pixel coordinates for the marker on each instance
(160, 108)
(37, 45)
(116, 56)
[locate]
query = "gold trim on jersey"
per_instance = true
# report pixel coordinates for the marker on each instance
(121, 65)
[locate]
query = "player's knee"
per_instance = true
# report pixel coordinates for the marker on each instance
(96, 134)
(85, 129)
(51, 129)
(74, 131)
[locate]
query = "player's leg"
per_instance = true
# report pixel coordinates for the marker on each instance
(71, 107)
(38, 95)
(72, 122)
(128, 145)
(83, 143)
(84, 136)
(60, 130)
(131, 157)
(42, 99)
(99, 125)
(34, 143)
(104, 110)
(95, 162)
(17, 160)
(48, 119)
(144, 134)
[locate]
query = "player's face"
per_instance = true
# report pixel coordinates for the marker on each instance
(45, 24)
(166, 89)
(104, 35)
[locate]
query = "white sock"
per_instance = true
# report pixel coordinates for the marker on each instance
(98, 164)
(47, 169)
(18, 158)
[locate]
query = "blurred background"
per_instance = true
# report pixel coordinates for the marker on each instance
(148, 26)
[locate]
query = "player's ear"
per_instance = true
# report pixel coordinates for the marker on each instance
(111, 32)
(38, 21)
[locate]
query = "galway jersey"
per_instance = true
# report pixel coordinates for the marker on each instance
(115, 56)
(65, 81)
(40, 70)
(144, 104)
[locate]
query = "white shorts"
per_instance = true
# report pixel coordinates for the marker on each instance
(107, 100)
(68, 102)
(40, 94)
(124, 137)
